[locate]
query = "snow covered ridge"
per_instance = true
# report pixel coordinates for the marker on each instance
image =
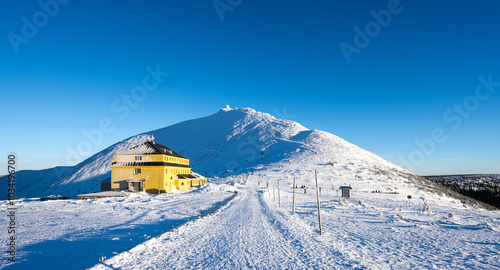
(229, 142)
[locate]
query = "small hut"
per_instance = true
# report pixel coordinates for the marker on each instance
(346, 191)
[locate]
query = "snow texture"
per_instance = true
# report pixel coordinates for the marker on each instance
(383, 232)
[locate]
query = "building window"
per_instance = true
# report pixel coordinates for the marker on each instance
(137, 158)
(137, 171)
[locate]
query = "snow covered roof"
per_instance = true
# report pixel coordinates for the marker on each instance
(150, 148)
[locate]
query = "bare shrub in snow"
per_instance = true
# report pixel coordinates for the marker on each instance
(427, 208)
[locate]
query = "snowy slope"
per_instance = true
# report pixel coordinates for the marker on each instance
(229, 142)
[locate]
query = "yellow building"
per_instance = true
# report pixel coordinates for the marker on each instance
(154, 168)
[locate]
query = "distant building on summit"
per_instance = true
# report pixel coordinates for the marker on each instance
(154, 168)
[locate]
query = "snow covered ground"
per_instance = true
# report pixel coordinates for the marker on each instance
(371, 230)
(74, 234)
(367, 231)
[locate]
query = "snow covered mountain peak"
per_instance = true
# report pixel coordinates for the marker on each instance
(229, 142)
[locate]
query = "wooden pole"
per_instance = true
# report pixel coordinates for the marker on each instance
(293, 200)
(319, 208)
(279, 194)
(274, 193)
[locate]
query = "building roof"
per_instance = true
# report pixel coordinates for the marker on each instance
(188, 176)
(150, 148)
(345, 187)
(154, 163)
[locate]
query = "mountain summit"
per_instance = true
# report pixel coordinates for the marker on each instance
(229, 142)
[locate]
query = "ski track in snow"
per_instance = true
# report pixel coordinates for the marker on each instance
(244, 235)
(252, 232)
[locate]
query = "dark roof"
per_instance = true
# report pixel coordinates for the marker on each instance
(150, 148)
(345, 187)
(187, 176)
(155, 163)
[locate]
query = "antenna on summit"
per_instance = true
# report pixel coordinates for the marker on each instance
(225, 109)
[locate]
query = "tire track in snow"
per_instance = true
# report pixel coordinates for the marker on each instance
(237, 237)
(244, 234)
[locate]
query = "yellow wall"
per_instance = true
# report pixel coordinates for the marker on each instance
(157, 178)
(154, 175)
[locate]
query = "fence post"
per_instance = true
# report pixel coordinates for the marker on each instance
(279, 193)
(293, 200)
(274, 193)
(319, 208)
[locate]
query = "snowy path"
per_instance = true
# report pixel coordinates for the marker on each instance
(252, 232)
(245, 234)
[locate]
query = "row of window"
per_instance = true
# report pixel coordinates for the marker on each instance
(171, 159)
(177, 160)
(201, 182)
(178, 171)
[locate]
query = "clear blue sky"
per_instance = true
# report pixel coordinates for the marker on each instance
(282, 57)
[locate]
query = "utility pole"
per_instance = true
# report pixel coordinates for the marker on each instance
(319, 208)
(293, 200)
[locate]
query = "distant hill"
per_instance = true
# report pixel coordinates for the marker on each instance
(482, 187)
